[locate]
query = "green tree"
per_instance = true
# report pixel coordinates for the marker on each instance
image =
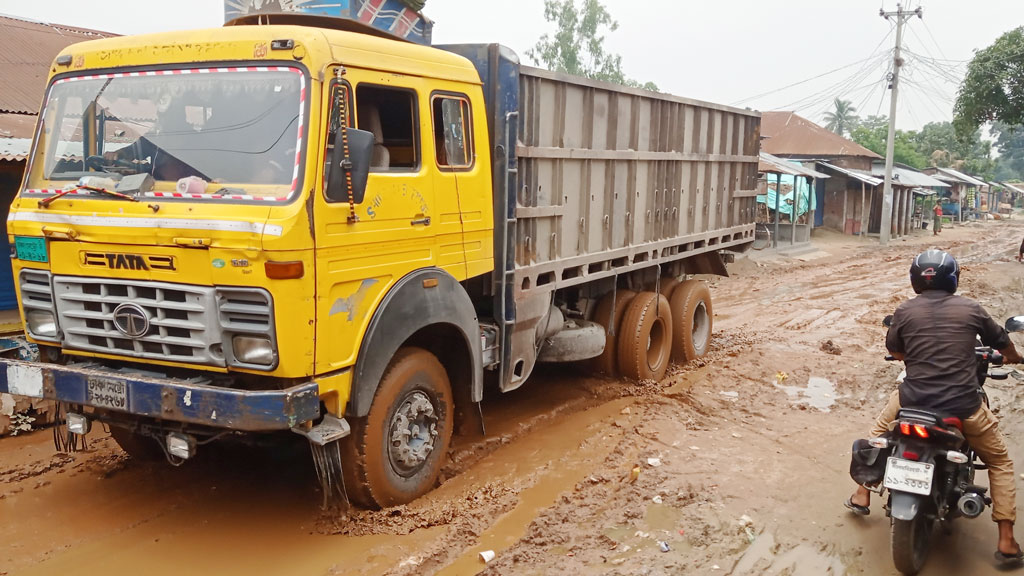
(578, 45)
(416, 5)
(1010, 143)
(940, 144)
(843, 118)
(993, 89)
(873, 135)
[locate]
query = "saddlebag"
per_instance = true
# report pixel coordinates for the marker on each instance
(867, 465)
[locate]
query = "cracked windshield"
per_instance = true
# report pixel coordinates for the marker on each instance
(216, 134)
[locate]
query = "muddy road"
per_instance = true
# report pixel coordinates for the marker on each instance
(742, 458)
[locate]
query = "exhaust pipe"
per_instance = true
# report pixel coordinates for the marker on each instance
(971, 505)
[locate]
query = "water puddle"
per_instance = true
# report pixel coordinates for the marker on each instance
(765, 557)
(819, 394)
(556, 454)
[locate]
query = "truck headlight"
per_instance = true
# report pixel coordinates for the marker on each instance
(253, 350)
(41, 323)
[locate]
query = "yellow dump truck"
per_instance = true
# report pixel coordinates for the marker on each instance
(311, 224)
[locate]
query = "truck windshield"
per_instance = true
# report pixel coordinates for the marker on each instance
(212, 134)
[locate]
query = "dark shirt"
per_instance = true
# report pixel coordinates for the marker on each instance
(937, 332)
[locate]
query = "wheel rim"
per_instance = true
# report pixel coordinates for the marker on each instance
(412, 433)
(701, 327)
(656, 345)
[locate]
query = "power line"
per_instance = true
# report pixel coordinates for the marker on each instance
(851, 65)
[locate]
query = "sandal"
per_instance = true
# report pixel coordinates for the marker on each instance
(1010, 560)
(856, 508)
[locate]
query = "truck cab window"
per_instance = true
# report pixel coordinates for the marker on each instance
(390, 114)
(452, 132)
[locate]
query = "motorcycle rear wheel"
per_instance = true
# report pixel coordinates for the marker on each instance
(911, 540)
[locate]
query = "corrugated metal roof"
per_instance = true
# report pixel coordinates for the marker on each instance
(17, 125)
(788, 133)
(27, 48)
(771, 164)
(14, 149)
(908, 177)
(1016, 188)
(958, 177)
(865, 178)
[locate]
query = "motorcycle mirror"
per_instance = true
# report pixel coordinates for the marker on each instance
(1015, 324)
(887, 321)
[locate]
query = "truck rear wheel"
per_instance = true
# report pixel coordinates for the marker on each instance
(139, 447)
(691, 321)
(607, 362)
(394, 455)
(666, 286)
(645, 337)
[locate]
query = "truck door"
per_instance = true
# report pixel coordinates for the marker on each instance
(453, 159)
(393, 232)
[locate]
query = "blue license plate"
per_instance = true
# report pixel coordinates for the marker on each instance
(31, 249)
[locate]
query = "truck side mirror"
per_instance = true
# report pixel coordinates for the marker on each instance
(1015, 324)
(360, 151)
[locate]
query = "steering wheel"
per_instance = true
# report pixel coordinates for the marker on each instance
(99, 162)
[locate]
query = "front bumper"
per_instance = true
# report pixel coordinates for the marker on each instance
(164, 398)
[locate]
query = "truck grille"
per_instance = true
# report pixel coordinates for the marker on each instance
(183, 323)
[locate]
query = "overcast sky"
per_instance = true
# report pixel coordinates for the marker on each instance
(730, 51)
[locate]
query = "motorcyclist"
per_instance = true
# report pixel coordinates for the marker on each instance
(947, 381)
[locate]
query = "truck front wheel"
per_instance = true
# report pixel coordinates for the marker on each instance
(394, 455)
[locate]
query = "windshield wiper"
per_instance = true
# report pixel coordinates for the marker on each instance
(47, 201)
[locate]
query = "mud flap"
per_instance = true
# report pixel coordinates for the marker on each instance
(324, 442)
(904, 506)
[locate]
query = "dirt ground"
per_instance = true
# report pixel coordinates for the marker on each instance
(742, 458)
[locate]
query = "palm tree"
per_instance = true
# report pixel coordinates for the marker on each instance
(843, 118)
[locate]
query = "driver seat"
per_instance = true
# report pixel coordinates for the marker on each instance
(369, 120)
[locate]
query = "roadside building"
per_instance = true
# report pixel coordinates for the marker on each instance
(851, 200)
(27, 49)
(963, 191)
(917, 196)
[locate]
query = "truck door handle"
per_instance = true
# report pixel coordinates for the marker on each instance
(424, 221)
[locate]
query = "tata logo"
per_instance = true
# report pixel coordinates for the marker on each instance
(131, 320)
(121, 261)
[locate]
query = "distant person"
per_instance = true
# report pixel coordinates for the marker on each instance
(937, 227)
(1020, 253)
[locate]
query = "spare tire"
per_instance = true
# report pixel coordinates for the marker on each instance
(607, 362)
(691, 321)
(645, 338)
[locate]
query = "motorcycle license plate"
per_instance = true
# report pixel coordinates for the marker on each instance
(908, 476)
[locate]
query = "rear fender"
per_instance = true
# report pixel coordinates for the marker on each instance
(905, 506)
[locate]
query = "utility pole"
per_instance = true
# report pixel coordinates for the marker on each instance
(901, 16)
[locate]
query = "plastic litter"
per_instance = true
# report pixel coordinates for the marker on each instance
(656, 499)
(654, 462)
(487, 556)
(664, 546)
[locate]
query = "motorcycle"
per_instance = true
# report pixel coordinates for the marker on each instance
(928, 469)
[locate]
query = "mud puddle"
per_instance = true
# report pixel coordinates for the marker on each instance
(820, 393)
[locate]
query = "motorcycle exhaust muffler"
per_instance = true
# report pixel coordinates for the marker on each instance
(971, 505)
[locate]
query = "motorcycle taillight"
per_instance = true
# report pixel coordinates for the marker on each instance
(908, 429)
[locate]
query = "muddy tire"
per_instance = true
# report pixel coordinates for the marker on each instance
(139, 447)
(911, 540)
(607, 362)
(691, 321)
(394, 454)
(666, 286)
(645, 337)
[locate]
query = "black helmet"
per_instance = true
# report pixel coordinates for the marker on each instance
(934, 270)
